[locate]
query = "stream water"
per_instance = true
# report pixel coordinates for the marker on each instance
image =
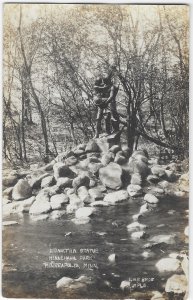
(27, 246)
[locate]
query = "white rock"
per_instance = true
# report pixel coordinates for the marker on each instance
(186, 231)
(9, 223)
(144, 209)
(99, 203)
(116, 197)
(136, 217)
(148, 254)
(110, 176)
(125, 284)
(57, 214)
(58, 200)
(67, 282)
(168, 265)
(112, 258)
(84, 212)
(40, 207)
(174, 255)
(138, 235)
(134, 190)
(64, 282)
(164, 238)
(151, 199)
(176, 284)
(136, 226)
(47, 181)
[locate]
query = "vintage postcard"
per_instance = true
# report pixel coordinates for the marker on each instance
(95, 151)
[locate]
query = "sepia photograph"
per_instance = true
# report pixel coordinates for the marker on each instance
(95, 151)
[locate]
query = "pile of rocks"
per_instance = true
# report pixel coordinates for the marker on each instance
(98, 173)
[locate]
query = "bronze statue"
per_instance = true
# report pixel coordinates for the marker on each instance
(105, 95)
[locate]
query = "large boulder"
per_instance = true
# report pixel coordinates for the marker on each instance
(40, 207)
(21, 190)
(84, 212)
(176, 284)
(168, 264)
(80, 180)
(110, 176)
(61, 170)
(116, 197)
(57, 201)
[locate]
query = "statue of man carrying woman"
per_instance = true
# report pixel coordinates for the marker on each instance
(105, 93)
